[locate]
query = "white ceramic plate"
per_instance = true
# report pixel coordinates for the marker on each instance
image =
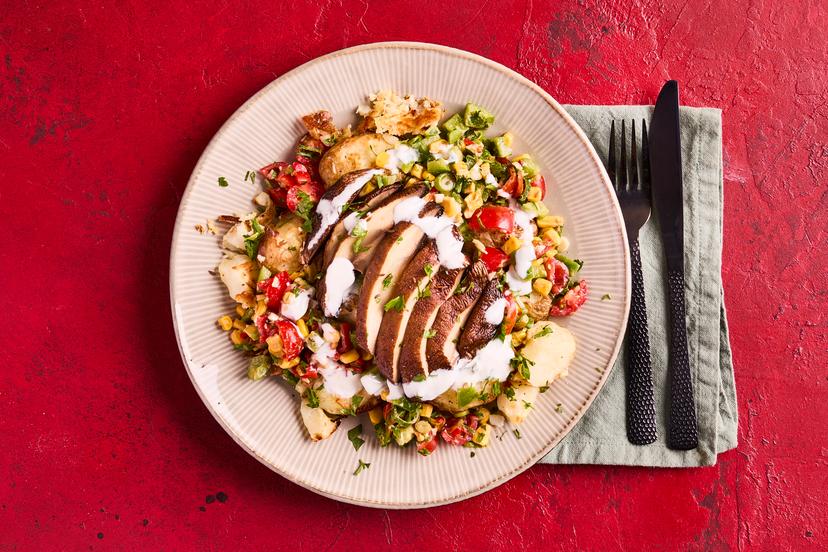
(263, 416)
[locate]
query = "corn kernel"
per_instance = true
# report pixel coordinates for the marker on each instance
(521, 157)
(519, 337)
(367, 356)
(450, 206)
(375, 415)
(236, 337)
(349, 356)
(225, 322)
(508, 138)
(302, 327)
(551, 235)
(563, 245)
(274, 345)
(460, 168)
(537, 262)
(252, 331)
(239, 324)
(428, 176)
(417, 170)
(382, 159)
(534, 194)
(240, 310)
(261, 307)
(483, 415)
(542, 286)
(426, 410)
(549, 221)
(485, 170)
(511, 245)
(422, 427)
(285, 364)
(481, 436)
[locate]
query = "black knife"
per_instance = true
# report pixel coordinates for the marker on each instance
(668, 199)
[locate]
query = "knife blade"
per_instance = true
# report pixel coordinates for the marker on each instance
(668, 200)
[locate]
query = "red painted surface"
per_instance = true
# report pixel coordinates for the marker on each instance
(104, 109)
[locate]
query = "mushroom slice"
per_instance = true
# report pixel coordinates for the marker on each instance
(331, 208)
(413, 359)
(480, 328)
(441, 348)
(411, 286)
(389, 259)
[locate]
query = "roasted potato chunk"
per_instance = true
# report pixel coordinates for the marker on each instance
(353, 154)
(282, 245)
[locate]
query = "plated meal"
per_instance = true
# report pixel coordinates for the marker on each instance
(407, 268)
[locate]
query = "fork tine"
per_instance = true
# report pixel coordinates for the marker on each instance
(645, 159)
(611, 157)
(622, 171)
(635, 184)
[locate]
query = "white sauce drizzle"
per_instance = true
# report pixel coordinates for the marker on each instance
(339, 282)
(330, 209)
(526, 252)
(440, 229)
(490, 179)
(494, 314)
(294, 307)
(374, 384)
(350, 221)
(518, 285)
(399, 156)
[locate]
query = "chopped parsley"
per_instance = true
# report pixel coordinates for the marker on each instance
(362, 466)
(356, 400)
(420, 377)
(387, 281)
(251, 242)
(510, 393)
(429, 270)
(465, 395)
(304, 209)
(527, 405)
(358, 232)
(222, 182)
(516, 431)
(606, 297)
(355, 436)
(559, 408)
(522, 364)
(423, 292)
(496, 388)
(313, 399)
(545, 331)
(396, 304)
(428, 334)
(251, 176)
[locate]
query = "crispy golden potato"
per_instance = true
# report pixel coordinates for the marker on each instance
(281, 245)
(353, 154)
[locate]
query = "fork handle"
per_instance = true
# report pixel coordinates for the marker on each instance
(641, 421)
(682, 431)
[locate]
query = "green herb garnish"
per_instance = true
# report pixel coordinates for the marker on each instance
(313, 399)
(396, 304)
(362, 466)
(355, 436)
(304, 209)
(516, 431)
(606, 297)
(251, 242)
(222, 182)
(428, 334)
(465, 395)
(251, 176)
(387, 281)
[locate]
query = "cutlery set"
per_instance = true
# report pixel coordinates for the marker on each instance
(654, 178)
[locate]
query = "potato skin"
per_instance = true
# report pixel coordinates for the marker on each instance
(353, 154)
(281, 245)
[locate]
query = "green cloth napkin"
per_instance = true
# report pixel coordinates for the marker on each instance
(600, 436)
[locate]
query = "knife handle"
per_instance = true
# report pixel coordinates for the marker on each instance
(682, 432)
(641, 421)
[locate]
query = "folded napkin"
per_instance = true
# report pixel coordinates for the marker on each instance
(600, 436)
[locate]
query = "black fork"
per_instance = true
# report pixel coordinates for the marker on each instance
(633, 191)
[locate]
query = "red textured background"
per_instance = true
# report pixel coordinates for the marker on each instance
(104, 110)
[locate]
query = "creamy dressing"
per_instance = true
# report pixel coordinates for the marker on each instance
(437, 383)
(294, 306)
(440, 229)
(518, 285)
(374, 384)
(339, 282)
(350, 221)
(494, 314)
(330, 209)
(338, 379)
(446, 152)
(399, 156)
(490, 179)
(526, 253)
(395, 391)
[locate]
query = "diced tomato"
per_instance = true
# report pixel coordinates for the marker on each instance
(427, 447)
(510, 316)
(541, 249)
(557, 273)
(299, 167)
(493, 217)
(456, 432)
(302, 178)
(276, 168)
(387, 410)
(540, 182)
(304, 373)
(438, 422)
(279, 197)
(494, 259)
(265, 328)
(514, 183)
(571, 302)
(285, 180)
(468, 141)
(344, 344)
(292, 341)
(472, 421)
(274, 288)
(313, 190)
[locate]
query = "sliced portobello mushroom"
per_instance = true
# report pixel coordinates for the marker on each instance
(378, 215)
(353, 154)
(441, 349)
(389, 259)
(331, 208)
(413, 359)
(410, 287)
(366, 203)
(478, 331)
